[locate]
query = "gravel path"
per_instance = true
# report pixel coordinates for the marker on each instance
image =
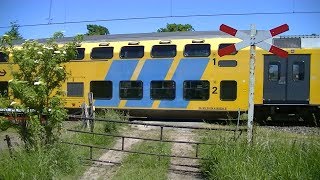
(182, 149)
(101, 170)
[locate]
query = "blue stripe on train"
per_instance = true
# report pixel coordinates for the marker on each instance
(188, 69)
(152, 70)
(119, 70)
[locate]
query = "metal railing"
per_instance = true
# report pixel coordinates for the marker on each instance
(160, 125)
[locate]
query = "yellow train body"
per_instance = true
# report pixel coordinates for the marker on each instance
(231, 80)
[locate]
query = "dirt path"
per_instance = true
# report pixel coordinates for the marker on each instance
(182, 149)
(107, 170)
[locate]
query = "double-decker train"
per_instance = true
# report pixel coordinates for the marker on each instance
(180, 75)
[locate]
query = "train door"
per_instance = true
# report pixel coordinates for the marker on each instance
(286, 81)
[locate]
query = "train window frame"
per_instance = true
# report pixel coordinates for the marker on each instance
(94, 57)
(121, 54)
(185, 54)
(108, 90)
(4, 88)
(222, 91)
(163, 56)
(80, 54)
(270, 78)
(140, 89)
(4, 57)
(195, 89)
(162, 89)
(79, 84)
(223, 45)
(228, 63)
(298, 76)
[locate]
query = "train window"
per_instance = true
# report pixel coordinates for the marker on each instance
(197, 50)
(223, 45)
(274, 71)
(80, 53)
(196, 90)
(163, 51)
(131, 89)
(228, 90)
(298, 71)
(102, 53)
(227, 63)
(3, 89)
(101, 89)
(132, 52)
(75, 89)
(3, 57)
(163, 90)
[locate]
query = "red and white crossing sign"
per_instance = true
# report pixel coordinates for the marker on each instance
(257, 39)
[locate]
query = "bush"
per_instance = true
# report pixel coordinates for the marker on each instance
(108, 114)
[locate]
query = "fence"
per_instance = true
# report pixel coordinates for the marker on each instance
(237, 132)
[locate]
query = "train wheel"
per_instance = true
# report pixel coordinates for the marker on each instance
(317, 118)
(309, 118)
(261, 118)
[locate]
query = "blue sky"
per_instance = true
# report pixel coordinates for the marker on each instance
(37, 12)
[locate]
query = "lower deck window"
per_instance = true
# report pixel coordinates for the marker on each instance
(228, 90)
(101, 89)
(163, 90)
(75, 89)
(196, 90)
(131, 89)
(3, 89)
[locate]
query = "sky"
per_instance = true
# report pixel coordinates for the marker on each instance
(31, 12)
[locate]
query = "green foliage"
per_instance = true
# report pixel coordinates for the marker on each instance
(58, 35)
(110, 127)
(176, 27)
(48, 163)
(94, 29)
(273, 156)
(36, 85)
(14, 32)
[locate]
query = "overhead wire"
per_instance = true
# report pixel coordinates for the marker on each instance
(164, 17)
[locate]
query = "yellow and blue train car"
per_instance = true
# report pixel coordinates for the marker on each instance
(181, 74)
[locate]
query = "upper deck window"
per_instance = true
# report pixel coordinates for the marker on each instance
(223, 45)
(3, 57)
(164, 51)
(102, 53)
(129, 52)
(80, 53)
(197, 50)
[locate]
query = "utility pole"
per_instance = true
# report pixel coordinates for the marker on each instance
(251, 83)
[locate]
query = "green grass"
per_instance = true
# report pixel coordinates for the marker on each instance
(60, 161)
(138, 166)
(56, 161)
(274, 155)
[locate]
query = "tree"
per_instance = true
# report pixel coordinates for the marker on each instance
(58, 35)
(176, 27)
(94, 29)
(14, 32)
(36, 89)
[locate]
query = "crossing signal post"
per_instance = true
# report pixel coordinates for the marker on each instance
(255, 38)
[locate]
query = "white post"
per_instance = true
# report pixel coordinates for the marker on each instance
(251, 82)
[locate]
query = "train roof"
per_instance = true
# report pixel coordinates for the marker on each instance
(291, 41)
